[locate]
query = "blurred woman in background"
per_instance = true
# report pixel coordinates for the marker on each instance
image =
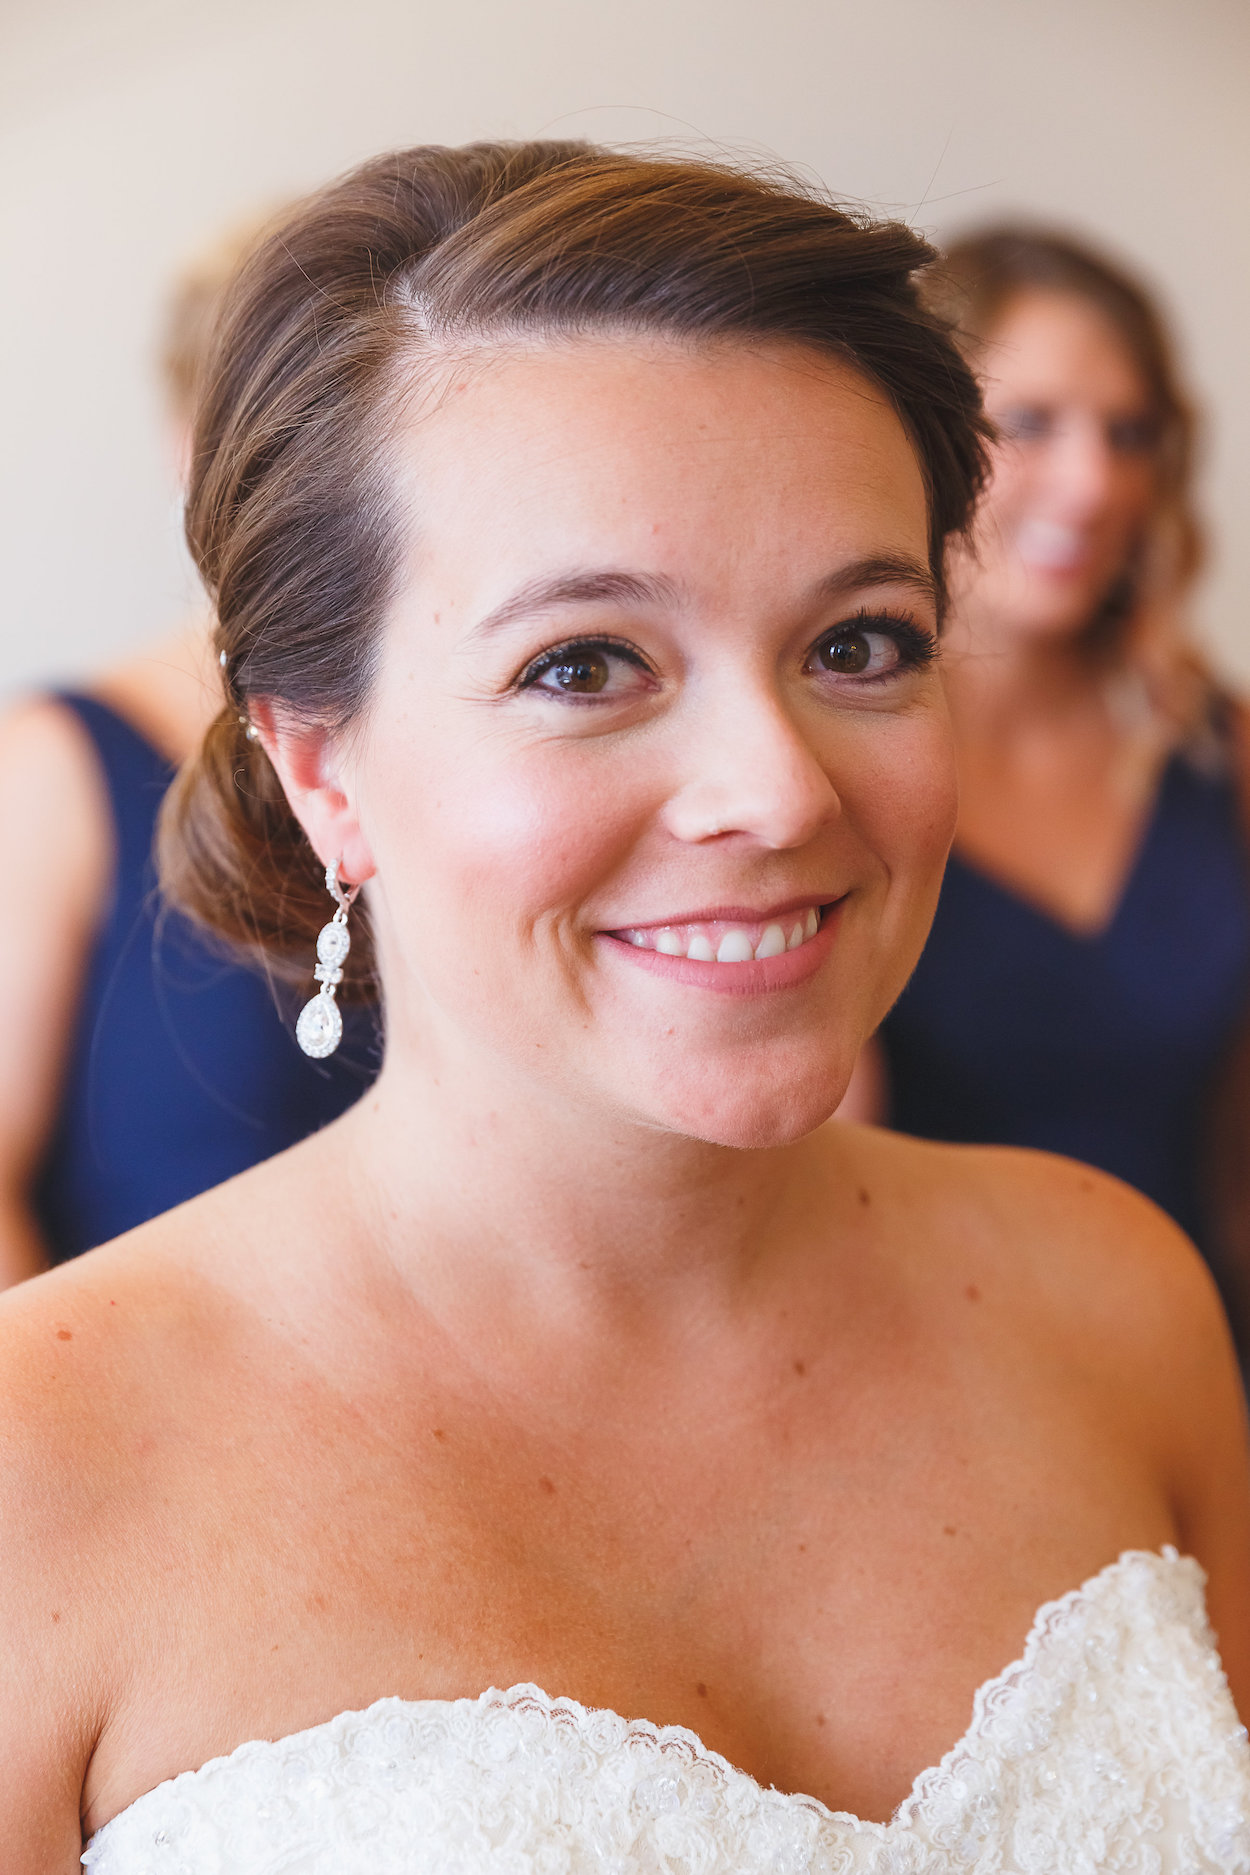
(1089, 964)
(139, 1067)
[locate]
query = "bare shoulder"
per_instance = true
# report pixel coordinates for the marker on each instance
(1103, 1291)
(1092, 1260)
(1120, 1282)
(81, 1349)
(129, 1391)
(92, 1346)
(104, 1359)
(84, 1352)
(45, 742)
(1089, 1280)
(57, 824)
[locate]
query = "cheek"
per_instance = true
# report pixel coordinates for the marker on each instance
(1133, 496)
(1012, 484)
(902, 795)
(519, 833)
(907, 813)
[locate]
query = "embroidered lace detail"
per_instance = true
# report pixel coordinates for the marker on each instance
(1111, 1745)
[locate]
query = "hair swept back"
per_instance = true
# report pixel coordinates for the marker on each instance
(291, 517)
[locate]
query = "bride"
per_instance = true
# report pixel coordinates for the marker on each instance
(575, 523)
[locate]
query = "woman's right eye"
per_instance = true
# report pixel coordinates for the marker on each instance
(1025, 423)
(584, 671)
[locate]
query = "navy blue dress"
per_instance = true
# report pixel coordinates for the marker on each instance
(180, 1071)
(1015, 1030)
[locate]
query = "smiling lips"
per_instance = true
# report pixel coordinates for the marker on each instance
(723, 941)
(1050, 547)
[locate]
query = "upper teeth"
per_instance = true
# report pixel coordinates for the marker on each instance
(722, 943)
(1049, 543)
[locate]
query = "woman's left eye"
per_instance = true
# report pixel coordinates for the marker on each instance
(1133, 436)
(868, 651)
(579, 671)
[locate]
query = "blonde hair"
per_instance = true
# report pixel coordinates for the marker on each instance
(193, 308)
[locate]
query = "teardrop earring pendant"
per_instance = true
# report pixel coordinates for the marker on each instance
(319, 1029)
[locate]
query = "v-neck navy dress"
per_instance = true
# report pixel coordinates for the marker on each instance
(1015, 1030)
(181, 1068)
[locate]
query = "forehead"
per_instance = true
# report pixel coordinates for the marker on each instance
(719, 463)
(1053, 344)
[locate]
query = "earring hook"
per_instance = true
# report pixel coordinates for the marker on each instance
(344, 900)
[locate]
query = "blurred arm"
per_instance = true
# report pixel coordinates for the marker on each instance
(57, 842)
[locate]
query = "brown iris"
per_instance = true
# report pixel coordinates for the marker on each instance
(581, 673)
(847, 656)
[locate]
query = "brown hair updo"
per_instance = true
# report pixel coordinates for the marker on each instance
(290, 515)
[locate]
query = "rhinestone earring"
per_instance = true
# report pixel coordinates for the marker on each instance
(320, 1027)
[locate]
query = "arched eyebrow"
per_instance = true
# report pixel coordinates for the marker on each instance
(607, 587)
(614, 586)
(886, 569)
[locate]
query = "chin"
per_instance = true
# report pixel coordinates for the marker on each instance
(757, 1111)
(1052, 617)
(1056, 605)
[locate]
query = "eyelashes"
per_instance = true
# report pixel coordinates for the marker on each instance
(581, 666)
(870, 648)
(847, 649)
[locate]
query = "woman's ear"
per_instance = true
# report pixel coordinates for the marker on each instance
(308, 761)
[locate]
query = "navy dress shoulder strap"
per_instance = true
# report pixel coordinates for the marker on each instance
(181, 1069)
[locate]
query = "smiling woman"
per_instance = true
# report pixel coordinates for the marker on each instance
(1086, 986)
(576, 525)
(414, 279)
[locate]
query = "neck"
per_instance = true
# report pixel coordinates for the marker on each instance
(529, 1204)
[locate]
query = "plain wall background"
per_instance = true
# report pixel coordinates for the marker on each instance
(132, 130)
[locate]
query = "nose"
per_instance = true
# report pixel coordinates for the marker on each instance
(1083, 468)
(748, 769)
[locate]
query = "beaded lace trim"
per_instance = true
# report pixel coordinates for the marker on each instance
(1110, 1744)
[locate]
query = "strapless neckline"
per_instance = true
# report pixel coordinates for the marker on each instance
(538, 1710)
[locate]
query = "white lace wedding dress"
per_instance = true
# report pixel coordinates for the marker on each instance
(1111, 1745)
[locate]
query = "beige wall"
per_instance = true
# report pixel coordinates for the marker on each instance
(131, 129)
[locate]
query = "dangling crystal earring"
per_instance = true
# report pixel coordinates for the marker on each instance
(320, 1027)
